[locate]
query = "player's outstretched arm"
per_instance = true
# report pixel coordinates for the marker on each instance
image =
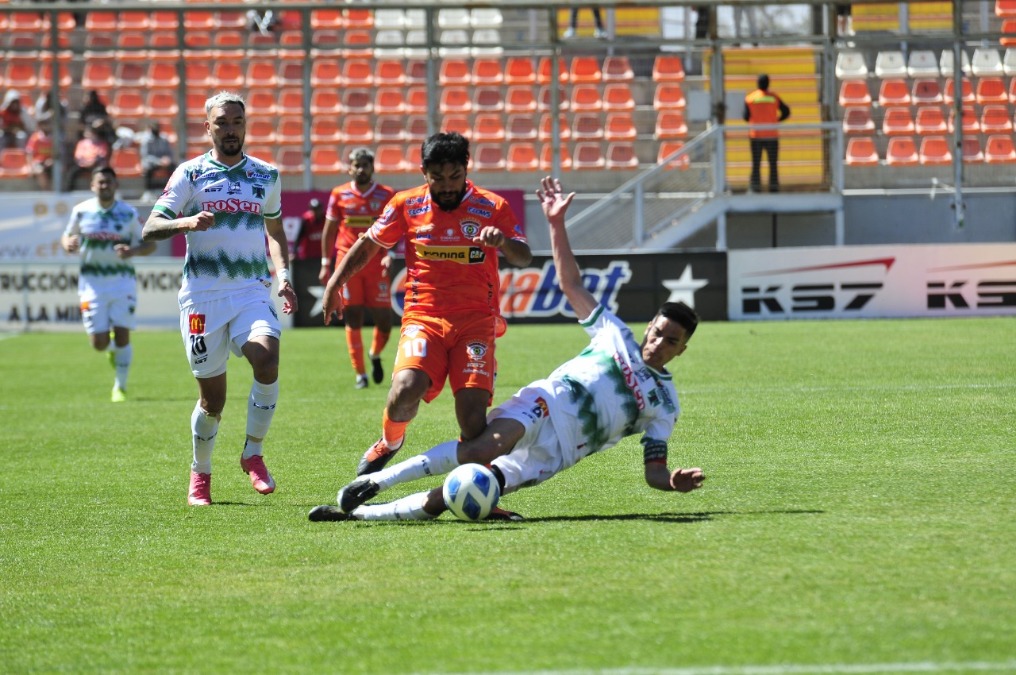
(555, 206)
(356, 258)
(681, 480)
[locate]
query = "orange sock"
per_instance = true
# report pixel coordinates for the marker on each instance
(393, 432)
(377, 344)
(355, 345)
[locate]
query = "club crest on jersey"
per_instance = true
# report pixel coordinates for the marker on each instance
(259, 191)
(476, 350)
(411, 330)
(232, 187)
(541, 409)
(196, 323)
(470, 228)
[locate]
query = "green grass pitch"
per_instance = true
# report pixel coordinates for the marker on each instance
(859, 516)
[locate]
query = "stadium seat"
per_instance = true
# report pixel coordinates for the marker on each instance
(357, 129)
(198, 75)
(488, 157)
(520, 128)
(97, 75)
(229, 45)
(163, 105)
(132, 46)
(972, 150)
(930, 121)
(545, 73)
(325, 101)
(858, 121)
(587, 126)
(1008, 39)
(925, 91)
(584, 98)
(261, 73)
(545, 132)
(290, 130)
(946, 63)
(358, 19)
(290, 161)
(971, 124)
(519, 99)
(617, 97)
(261, 130)
(1009, 62)
(666, 150)
(164, 21)
(892, 92)
(487, 43)
(356, 101)
(986, 62)
(357, 73)
(199, 21)
(326, 159)
(325, 72)
(585, 70)
(389, 128)
(230, 20)
(967, 95)
(195, 104)
(897, 121)
(126, 162)
(1012, 91)
(14, 163)
(998, 149)
(454, 18)
(63, 75)
(861, 152)
(390, 73)
(130, 74)
(488, 128)
(901, 151)
(620, 126)
(996, 119)
(290, 101)
(544, 98)
(547, 158)
(325, 129)
(455, 100)
(668, 68)
(935, 151)
(486, 72)
(621, 156)
(990, 89)
(416, 100)
(456, 122)
(326, 19)
(890, 63)
(588, 155)
(1005, 8)
(488, 99)
(454, 72)
(854, 93)
(389, 19)
(228, 74)
(96, 23)
(454, 43)
(669, 96)
(21, 73)
(389, 100)
(522, 157)
(519, 70)
(417, 128)
(391, 158)
(127, 106)
(850, 66)
(922, 63)
(670, 124)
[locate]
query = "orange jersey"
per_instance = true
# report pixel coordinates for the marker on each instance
(445, 271)
(355, 211)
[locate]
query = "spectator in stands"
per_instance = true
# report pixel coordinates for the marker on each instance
(701, 22)
(90, 152)
(844, 24)
(45, 110)
(16, 123)
(308, 240)
(262, 22)
(157, 159)
(764, 107)
(41, 155)
(573, 24)
(94, 107)
(749, 13)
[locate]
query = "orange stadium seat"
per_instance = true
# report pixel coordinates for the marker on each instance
(391, 158)
(999, 149)
(261, 130)
(669, 96)
(486, 71)
(488, 99)
(196, 104)
(621, 155)
(858, 121)
(324, 19)
(198, 75)
(1012, 91)
(617, 69)
(861, 152)
(228, 74)
(290, 161)
(488, 157)
(261, 101)
(519, 70)
(362, 19)
(99, 23)
(991, 90)
(453, 71)
(520, 99)
(1005, 8)
(357, 129)
(971, 125)
(197, 20)
(930, 121)
(547, 158)
(325, 72)
(545, 132)
(522, 157)
(232, 20)
(585, 98)
(893, 91)
(926, 91)
(390, 73)
(670, 124)
(98, 75)
(972, 150)
(20, 73)
(456, 122)
(455, 100)
(587, 126)
(63, 75)
(620, 126)
(668, 148)
(357, 73)
(617, 97)
(132, 46)
(588, 155)
(131, 74)
(898, 121)
(668, 68)
(967, 95)
(389, 100)
(290, 73)
(996, 119)
(357, 101)
(935, 151)
(261, 73)
(163, 47)
(585, 70)
(901, 151)
(14, 163)
(325, 129)
(290, 130)
(488, 128)
(229, 44)
(390, 129)
(520, 128)
(854, 93)
(326, 159)
(545, 72)
(126, 162)
(417, 128)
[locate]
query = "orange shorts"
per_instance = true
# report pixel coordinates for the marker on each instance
(368, 288)
(459, 347)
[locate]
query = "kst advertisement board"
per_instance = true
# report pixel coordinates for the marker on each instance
(873, 282)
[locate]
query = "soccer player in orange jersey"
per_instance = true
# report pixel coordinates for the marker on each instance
(454, 232)
(352, 208)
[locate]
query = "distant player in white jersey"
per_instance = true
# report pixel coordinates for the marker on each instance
(615, 388)
(107, 232)
(225, 202)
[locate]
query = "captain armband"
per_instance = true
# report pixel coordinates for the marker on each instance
(654, 450)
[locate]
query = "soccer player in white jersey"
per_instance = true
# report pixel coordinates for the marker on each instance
(615, 388)
(107, 232)
(224, 202)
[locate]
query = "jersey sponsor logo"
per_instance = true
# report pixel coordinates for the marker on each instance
(541, 409)
(631, 381)
(476, 350)
(469, 228)
(483, 201)
(359, 222)
(232, 206)
(201, 172)
(418, 212)
(412, 201)
(217, 187)
(258, 175)
(196, 323)
(103, 236)
(461, 254)
(479, 212)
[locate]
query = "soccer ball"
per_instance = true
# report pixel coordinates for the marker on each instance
(471, 492)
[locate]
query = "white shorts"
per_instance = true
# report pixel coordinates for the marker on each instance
(211, 329)
(537, 455)
(101, 313)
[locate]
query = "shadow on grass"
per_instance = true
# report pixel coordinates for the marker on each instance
(695, 517)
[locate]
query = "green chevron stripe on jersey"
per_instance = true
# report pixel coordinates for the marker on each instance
(100, 270)
(221, 265)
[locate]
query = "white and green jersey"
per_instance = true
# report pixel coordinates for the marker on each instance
(102, 271)
(231, 255)
(608, 392)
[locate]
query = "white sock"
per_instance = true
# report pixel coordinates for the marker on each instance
(204, 427)
(437, 461)
(261, 408)
(122, 357)
(407, 508)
